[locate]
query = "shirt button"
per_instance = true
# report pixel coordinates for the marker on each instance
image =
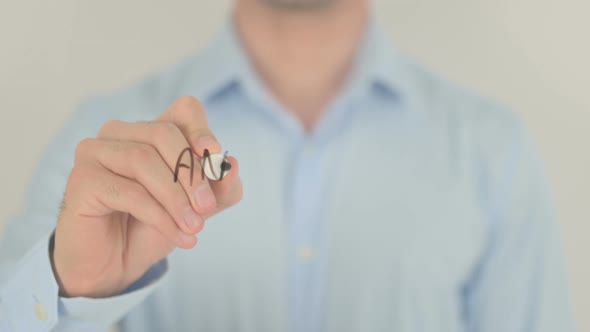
(40, 312)
(306, 254)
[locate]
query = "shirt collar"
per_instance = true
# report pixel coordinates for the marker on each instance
(382, 62)
(219, 66)
(224, 64)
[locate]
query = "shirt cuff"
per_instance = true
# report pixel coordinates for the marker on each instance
(106, 311)
(30, 297)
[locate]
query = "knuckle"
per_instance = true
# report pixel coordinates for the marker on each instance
(119, 146)
(188, 103)
(77, 174)
(142, 154)
(113, 190)
(108, 127)
(82, 148)
(79, 177)
(135, 194)
(185, 107)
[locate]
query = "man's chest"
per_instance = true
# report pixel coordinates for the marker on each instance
(403, 229)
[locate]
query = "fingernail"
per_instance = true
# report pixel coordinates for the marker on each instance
(191, 219)
(185, 238)
(207, 142)
(204, 197)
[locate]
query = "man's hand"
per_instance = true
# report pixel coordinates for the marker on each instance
(122, 209)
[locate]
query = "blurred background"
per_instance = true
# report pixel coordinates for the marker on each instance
(532, 55)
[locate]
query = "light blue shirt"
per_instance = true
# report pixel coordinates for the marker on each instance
(414, 205)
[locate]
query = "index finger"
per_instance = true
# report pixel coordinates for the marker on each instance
(189, 115)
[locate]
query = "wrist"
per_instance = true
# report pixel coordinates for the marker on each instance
(62, 292)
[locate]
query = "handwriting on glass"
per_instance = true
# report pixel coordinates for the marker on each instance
(205, 161)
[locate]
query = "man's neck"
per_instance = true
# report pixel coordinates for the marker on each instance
(303, 57)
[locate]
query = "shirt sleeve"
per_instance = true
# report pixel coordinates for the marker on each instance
(520, 284)
(29, 298)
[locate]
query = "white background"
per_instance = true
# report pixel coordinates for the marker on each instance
(532, 55)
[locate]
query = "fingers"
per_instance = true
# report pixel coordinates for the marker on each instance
(230, 190)
(141, 162)
(183, 125)
(112, 192)
(171, 145)
(189, 115)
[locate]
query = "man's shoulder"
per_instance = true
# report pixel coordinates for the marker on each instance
(147, 97)
(463, 110)
(143, 100)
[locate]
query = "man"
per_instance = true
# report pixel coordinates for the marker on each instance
(377, 197)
